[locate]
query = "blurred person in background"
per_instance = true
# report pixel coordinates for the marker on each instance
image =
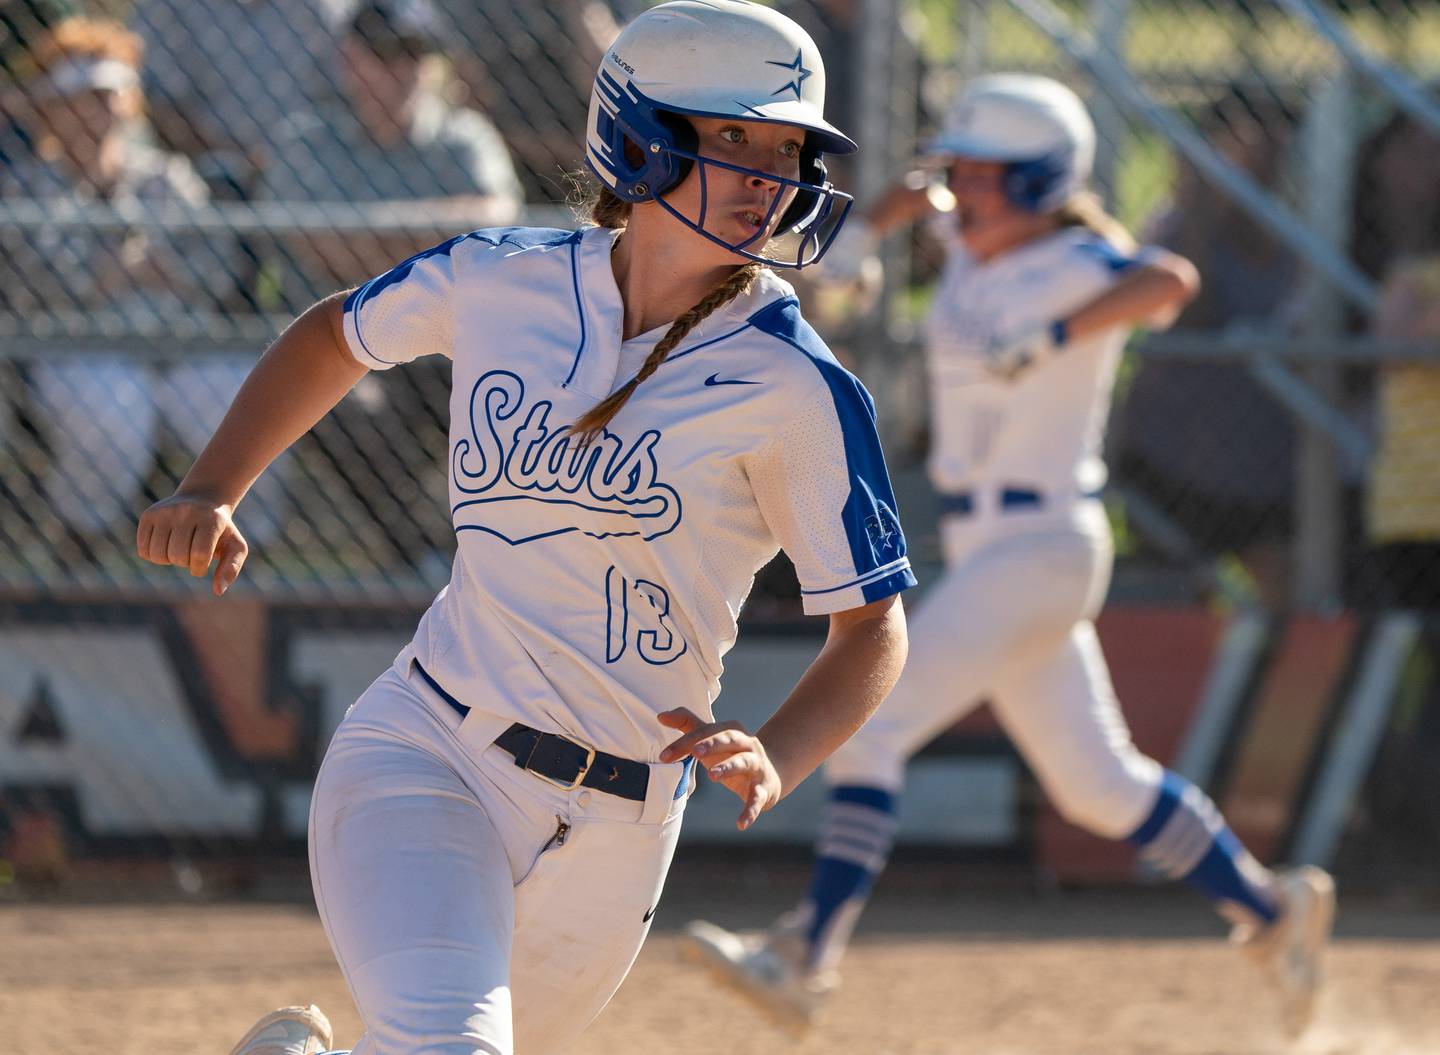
(25, 25)
(1041, 290)
(1204, 440)
(528, 66)
(105, 265)
(223, 75)
(1403, 567)
(388, 140)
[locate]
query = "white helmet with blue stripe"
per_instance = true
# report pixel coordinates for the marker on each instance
(714, 58)
(1037, 126)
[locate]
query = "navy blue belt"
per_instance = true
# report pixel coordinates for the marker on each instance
(1011, 500)
(563, 762)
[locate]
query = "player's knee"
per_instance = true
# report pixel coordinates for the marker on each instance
(1110, 801)
(861, 765)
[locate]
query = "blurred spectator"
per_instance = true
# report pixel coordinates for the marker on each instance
(386, 140)
(1205, 440)
(1397, 200)
(77, 150)
(223, 74)
(1404, 565)
(529, 66)
(1404, 498)
(25, 25)
(96, 257)
(1397, 239)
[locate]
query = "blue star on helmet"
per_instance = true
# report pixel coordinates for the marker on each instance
(792, 85)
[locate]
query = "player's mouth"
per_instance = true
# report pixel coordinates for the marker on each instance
(751, 220)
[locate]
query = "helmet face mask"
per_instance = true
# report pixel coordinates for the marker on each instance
(807, 215)
(705, 58)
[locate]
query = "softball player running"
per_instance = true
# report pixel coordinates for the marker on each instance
(1039, 292)
(639, 418)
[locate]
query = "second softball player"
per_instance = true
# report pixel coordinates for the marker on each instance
(1039, 293)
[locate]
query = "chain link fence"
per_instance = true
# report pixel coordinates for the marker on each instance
(179, 178)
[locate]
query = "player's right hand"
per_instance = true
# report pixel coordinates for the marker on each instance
(730, 755)
(191, 532)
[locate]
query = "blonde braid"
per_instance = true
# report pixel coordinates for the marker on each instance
(1086, 210)
(598, 416)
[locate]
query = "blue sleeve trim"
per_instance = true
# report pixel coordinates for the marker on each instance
(862, 580)
(1107, 254)
(889, 586)
(872, 525)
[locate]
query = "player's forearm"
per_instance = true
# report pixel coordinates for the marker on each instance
(295, 384)
(1152, 296)
(903, 204)
(842, 688)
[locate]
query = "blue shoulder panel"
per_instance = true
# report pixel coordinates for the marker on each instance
(1107, 254)
(871, 523)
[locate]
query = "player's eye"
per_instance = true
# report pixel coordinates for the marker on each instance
(732, 134)
(791, 149)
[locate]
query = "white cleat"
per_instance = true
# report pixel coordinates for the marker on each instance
(288, 1031)
(1291, 948)
(763, 968)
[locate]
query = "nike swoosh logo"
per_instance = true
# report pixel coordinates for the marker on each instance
(653, 908)
(714, 379)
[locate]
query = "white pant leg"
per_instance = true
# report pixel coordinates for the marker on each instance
(460, 926)
(99, 416)
(580, 919)
(1008, 598)
(1063, 716)
(414, 887)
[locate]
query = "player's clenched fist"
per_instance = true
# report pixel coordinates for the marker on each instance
(730, 755)
(190, 532)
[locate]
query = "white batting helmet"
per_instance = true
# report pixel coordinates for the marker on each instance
(1039, 127)
(713, 58)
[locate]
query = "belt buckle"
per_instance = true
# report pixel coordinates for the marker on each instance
(583, 772)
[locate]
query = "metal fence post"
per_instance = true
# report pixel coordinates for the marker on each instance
(1327, 143)
(1110, 19)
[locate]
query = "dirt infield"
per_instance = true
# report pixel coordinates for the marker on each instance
(995, 972)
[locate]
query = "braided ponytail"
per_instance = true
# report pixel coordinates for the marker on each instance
(598, 416)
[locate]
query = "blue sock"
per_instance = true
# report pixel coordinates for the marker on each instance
(1186, 838)
(856, 833)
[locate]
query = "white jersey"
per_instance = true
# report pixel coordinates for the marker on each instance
(593, 588)
(1041, 433)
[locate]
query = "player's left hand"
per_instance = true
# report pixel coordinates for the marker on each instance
(731, 755)
(1008, 356)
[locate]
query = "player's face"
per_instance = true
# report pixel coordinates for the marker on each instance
(83, 122)
(977, 187)
(985, 217)
(382, 86)
(737, 203)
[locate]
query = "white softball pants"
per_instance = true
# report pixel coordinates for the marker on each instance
(463, 921)
(1010, 622)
